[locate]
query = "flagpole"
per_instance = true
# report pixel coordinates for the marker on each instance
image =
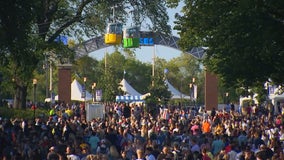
(124, 74)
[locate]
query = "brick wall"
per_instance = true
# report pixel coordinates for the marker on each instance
(211, 91)
(64, 83)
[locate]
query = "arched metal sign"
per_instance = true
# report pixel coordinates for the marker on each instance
(156, 38)
(147, 39)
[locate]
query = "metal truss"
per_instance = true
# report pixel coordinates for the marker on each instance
(159, 39)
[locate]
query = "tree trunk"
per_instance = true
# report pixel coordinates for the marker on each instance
(20, 97)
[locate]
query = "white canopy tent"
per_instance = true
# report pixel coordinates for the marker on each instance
(128, 89)
(277, 98)
(275, 95)
(131, 95)
(175, 93)
(48, 99)
(76, 93)
(129, 98)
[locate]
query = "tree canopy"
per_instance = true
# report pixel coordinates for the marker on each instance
(244, 39)
(29, 29)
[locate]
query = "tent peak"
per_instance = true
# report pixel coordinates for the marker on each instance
(128, 89)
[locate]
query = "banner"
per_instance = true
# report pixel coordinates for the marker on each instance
(83, 95)
(195, 91)
(99, 94)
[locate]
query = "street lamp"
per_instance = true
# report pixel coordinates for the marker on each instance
(85, 79)
(227, 97)
(190, 91)
(94, 91)
(34, 96)
(193, 90)
(193, 80)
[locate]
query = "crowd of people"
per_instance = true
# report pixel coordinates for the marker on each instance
(128, 132)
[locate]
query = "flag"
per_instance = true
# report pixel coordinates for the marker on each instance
(62, 39)
(124, 72)
(166, 70)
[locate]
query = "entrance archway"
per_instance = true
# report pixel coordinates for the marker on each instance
(211, 94)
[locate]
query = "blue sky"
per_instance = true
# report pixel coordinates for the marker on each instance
(145, 54)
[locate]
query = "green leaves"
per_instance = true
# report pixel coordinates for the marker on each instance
(29, 28)
(244, 38)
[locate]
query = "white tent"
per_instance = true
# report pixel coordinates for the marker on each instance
(48, 99)
(129, 98)
(175, 93)
(127, 88)
(131, 95)
(277, 99)
(77, 91)
(275, 96)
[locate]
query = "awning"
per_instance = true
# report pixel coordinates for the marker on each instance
(129, 99)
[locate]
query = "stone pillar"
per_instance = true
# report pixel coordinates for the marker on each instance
(211, 91)
(64, 83)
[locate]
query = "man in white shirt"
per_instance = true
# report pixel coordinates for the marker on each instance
(70, 152)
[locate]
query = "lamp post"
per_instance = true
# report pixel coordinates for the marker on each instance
(85, 79)
(34, 96)
(193, 93)
(227, 98)
(190, 91)
(94, 91)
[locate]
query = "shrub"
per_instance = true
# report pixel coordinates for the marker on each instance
(27, 113)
